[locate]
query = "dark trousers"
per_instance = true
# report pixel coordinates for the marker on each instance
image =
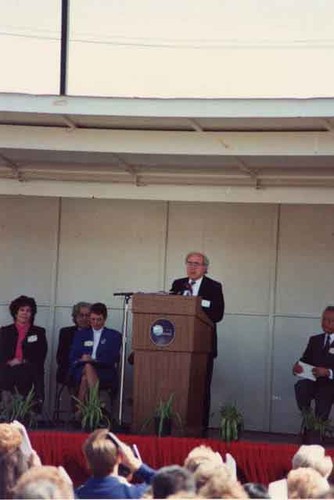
(322, 391)
(207, 397)
(22, 378)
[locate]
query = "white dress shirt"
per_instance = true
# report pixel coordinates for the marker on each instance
(96, 341)
(331, 340)
(196, 286)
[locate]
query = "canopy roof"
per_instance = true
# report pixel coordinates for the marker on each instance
(206, 149)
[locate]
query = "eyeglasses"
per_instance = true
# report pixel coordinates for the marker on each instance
(194, 264)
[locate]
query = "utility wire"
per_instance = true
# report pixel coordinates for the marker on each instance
(180, 44)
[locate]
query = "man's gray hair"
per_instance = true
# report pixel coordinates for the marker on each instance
(206, 261)
(45, 481)
(76, 308)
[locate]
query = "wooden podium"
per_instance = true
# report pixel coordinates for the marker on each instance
(171, 340)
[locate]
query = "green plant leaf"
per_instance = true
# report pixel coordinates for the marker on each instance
(91, 410)
(231, 422)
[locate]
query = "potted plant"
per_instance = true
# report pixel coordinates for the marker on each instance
(231, 423)
(314, 429)
(163, 417)
(92, 410)
(21, 408)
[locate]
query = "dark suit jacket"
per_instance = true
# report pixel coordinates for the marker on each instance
(66, 336)
(211, 291)
(34, 348)
(314, 353)
(107, 353)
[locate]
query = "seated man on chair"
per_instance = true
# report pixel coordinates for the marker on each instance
(320, 354)
(80, 316)
(95, 353)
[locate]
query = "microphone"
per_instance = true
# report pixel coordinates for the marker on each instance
(123, 294)
(187, 289)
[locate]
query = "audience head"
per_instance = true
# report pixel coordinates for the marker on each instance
(206, 470)
(23, 309)
(327, 320)
(101, 453)
(218, 482)
(306, 483)
(12, 461)
(80, 314)
(313, 456)
(201, 454)
(256, 490)
(43, 482)
(196, 265)
(171, 480)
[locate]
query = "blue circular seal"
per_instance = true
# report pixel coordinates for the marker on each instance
(162, 332)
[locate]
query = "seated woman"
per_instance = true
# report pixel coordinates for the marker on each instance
(23, 349)
(95, 353)
(80, 316)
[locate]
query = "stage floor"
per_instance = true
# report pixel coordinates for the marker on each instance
(264, 437)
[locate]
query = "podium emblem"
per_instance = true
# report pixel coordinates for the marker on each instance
(162, 332)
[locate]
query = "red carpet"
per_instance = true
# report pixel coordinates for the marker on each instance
(258, 462)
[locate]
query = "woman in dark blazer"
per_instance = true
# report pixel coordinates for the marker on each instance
(23, 349)
(95, 353)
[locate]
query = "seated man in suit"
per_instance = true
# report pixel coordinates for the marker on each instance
(197, 283)
(80, 316)
(320, 354)
(95, 353)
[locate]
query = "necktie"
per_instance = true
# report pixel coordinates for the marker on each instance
(327, 344)
(192, 283)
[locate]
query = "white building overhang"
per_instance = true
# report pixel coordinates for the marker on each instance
(238, 150)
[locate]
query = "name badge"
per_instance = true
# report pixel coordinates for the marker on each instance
(103, 341)
(88, 343)
(32, 338)
(331, 350)
(205, 303)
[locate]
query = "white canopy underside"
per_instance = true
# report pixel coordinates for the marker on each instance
(251, 150)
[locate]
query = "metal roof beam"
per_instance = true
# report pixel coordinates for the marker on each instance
(167, 143)
(155, 107)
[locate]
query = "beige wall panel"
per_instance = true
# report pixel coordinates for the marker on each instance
(240, 371)
(28, 238)
(239, 240)
(108, 246)
(305, 283)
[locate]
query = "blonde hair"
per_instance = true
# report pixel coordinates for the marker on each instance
(201, 454)
(219, 483)
(206, 470)
(313, 456)
(306, 483)
(43, 481)
(100, 452)
(10, 438)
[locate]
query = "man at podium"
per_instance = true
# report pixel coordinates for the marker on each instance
(196, 283)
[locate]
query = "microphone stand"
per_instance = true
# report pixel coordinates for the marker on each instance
(127, 296)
